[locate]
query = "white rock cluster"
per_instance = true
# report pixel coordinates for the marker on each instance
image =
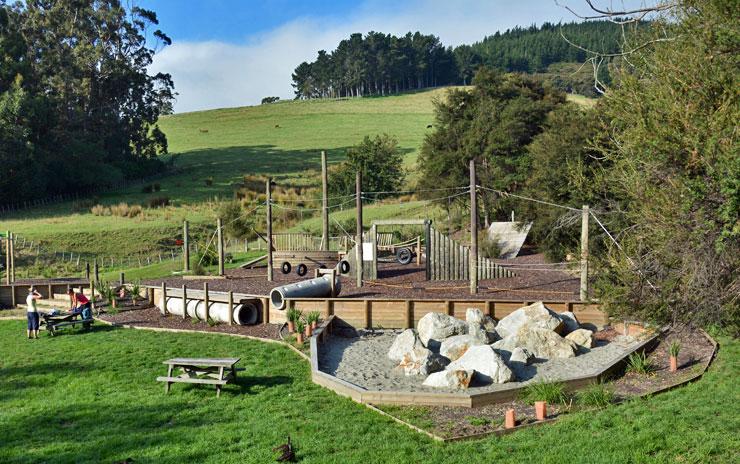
(451, 352)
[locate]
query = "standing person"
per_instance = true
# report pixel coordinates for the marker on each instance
(32, 313)
(78, 302)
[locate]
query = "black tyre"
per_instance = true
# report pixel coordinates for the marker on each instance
(404, 255)
(285, 268)
(344, 266)
(301, 269)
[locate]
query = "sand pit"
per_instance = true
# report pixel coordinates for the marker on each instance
(363, 361)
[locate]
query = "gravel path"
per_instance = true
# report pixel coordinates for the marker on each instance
(364, 362)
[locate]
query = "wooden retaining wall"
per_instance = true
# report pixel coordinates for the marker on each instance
(13, 294)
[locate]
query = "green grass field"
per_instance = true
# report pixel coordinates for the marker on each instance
(215, 149)
(91, 397)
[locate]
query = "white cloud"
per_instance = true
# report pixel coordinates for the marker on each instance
(216, 74)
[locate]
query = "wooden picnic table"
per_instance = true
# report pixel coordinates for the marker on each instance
(212, 371)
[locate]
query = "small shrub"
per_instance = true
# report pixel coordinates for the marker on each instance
(135, 291)
(294, 315)
(268, 100)
(312, 317)
(300, 326)
(553, 393)
(100, 210)
(595, 396)
(209, 181)
(477, 421)
(212, 323)
(125, 210)
(675, 348)
(158, 202)
(84, 204)
(488, 247)
(639, 364)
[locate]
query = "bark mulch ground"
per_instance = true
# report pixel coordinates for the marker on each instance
(151, 317)
(449, 422)
(533, 282)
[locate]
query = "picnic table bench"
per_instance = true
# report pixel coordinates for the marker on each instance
(57, 322)
(212, 371)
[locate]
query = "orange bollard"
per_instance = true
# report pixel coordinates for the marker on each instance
(674, 363)
(540, 410)
(510, 419)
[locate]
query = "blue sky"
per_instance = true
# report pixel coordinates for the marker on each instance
(228, 53)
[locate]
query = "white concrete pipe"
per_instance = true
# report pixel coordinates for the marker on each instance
(245, 312)
(313, 288)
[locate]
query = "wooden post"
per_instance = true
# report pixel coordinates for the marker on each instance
(230, 307)
(184, 301)
(409, 314)
(11, 270)
(122, 279)
(87, 271)
(205, 299)
(418, 251)
(164, 299)
(7, 257)
(185, 246)
(150, 296)
(584, 253)
(333, 283)
(92, 296)
(368, 314)
(358, 202)
(374, 241)
(220, 235)
(265, 310)
(96, 270)
(325, 203)
(473, 263)
(268, 192)
(428, 247)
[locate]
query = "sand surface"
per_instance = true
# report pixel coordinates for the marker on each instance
(363, 361)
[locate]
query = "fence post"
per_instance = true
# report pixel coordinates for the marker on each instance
(473, 231)
(205, 300)
(185, 246)
(584, 253)
(268, 191)
(220, 234)
(324, 203)
(184, 302)
(358, 203)
(96, 270)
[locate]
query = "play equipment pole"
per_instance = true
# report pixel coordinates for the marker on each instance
(220, 234)
(7, 257)
(473, 232)
(358, 194)
(324, 203)
(584, 253)
(268, 193)
(185, 246)
(11, 241)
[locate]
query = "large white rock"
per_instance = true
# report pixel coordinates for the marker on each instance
(488, 366)
(570, 323)
(581, 337)
(454, 347)
(405, 342)
(474, 315)
(421, 361)
(458, 379)
(534, 315)
(435, 327)
(520, 355)
(542, 343)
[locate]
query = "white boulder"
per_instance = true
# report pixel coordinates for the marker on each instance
(570, 323)
(520, 355)
(458, 379)
(534, 315)
(421, 361)
(474, 315)
(435, 327)
(404, 343)
(581, 337)
(454, 347)
(542, 343)
(480, 326)
(488, 366)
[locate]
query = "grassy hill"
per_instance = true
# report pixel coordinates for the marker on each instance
(214, 149)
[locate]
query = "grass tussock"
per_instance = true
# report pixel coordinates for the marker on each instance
(552, 393)
(595, 396)
(638, 363)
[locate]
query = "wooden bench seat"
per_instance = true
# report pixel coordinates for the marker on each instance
(192, 380)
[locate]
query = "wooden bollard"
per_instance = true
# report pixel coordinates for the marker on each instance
(164, 299)
(230, 308)
(540, 410)
(509, 419)
(122, 279)
(184, 302)
(205, 299)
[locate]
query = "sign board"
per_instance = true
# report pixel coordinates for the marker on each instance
(367, 251)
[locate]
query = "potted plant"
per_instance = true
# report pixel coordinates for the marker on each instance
(309, 328)
(299, 328)
(135, 292)
(293, 316)
(312, 319)
(673, 353)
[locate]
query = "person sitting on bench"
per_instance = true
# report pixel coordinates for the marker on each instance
(78, 302)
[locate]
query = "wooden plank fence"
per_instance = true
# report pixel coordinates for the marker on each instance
(449, 260)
